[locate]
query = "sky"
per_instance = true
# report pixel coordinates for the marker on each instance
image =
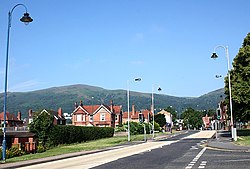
(109, 43)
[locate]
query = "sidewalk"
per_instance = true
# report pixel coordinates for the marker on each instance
(224, 142)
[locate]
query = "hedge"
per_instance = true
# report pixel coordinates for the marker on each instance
(243, 132)
(77, 134)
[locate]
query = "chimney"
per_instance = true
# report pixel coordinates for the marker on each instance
(19, 116)
(59, 112)
(30, 112)
(111, 106)
(133, 109)
(76, 105)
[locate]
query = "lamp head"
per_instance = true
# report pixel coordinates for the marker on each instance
(214, 56)
(26, 18)
(159, 89)
(138, 79)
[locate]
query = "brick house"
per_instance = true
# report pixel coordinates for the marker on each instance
(137, 116)
(11, 119)
(59, 118)
(97, 115)
(17, 133)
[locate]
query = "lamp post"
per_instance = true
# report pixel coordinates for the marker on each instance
(153, 113)
(214, 56)
(26, 19)
(128, 81)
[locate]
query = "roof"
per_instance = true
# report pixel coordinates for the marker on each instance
(9, 116)
(54, 113)
(136, 114)
(92, 109)
(164, 112)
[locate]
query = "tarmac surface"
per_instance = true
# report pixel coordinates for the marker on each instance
(222, 142)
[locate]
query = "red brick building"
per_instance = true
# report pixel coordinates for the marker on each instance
(137, 116)
(97, 115)
(17, 133)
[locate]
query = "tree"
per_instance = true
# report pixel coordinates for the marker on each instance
(160, 119)
(192, 118)
(42, 125)
(240, 82)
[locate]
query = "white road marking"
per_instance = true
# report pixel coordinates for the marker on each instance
(196, 158)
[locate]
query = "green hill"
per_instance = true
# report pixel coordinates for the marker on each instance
(66, 96)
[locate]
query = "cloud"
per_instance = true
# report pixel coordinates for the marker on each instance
(138, 37)
(138, 62)
(25, 86)
(157, 29)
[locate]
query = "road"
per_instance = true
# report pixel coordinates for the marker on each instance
(176, 152)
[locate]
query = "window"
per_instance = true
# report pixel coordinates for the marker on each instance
(102, 117)
(91, 118)
(78, 117)
(116, 117)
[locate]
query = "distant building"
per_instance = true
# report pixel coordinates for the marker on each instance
(97, 115)
(17, 133)
(59, 119)
(206, 122)
(137, 116)
(168, 117)
(11, 119)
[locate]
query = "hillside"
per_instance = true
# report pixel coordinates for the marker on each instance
(66, 96)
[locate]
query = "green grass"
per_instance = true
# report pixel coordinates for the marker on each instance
(87, 146)
(244, 141)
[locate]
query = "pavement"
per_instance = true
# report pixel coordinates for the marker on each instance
(222, 142)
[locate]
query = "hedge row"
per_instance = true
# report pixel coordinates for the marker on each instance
(243, 132)
(77, 134)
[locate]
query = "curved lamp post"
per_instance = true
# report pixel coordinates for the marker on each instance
(153, 112)
(26, 19)
(214, 56)
(128, 81)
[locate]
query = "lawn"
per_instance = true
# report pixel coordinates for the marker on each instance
(244, 141)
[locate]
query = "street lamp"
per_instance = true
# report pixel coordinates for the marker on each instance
(128, 81)
(153, 114)
(214, 56)
(26, 19)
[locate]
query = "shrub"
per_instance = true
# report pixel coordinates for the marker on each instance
(77, 134)
(13, 152)
(243, 132)
(40, 149)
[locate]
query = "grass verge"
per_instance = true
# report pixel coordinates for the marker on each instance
(243, 141)
(87, 146)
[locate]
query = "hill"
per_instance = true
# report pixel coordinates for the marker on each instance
(66, 96)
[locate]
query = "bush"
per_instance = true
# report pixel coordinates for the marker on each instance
(77, 134)
(40, 149)
(13, 152)
(243, 132)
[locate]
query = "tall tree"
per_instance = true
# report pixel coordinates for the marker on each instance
(160, 119)
(192, 118)
(41, 125)
(240, 82)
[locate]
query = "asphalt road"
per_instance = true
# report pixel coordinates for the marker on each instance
(161, 158)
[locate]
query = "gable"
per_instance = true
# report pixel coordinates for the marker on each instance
(80, 110)
(102, 109)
